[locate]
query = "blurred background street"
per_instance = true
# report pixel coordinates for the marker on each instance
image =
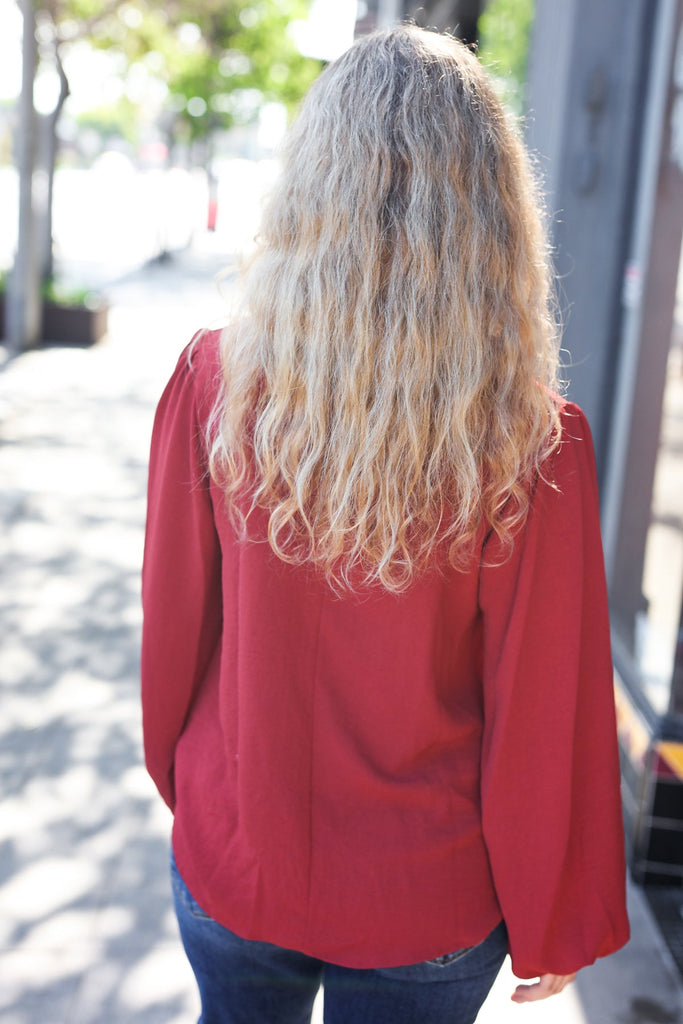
(166, 143)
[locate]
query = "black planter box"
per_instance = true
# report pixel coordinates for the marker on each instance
(73, 325)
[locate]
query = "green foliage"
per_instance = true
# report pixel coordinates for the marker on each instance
(504, 33)
(220, 60)
(114, 120)
(244, 56)
(61, 295)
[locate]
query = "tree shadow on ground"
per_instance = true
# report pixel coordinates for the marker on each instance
(86, 927)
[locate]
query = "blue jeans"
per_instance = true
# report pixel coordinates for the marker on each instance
(246, 982)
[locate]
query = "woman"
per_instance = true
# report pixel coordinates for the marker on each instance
(377, 687)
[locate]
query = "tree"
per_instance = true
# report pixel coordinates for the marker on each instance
(505, 28)
(219, 59)
(33, 262)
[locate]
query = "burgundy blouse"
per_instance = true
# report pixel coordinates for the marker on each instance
(376, 780)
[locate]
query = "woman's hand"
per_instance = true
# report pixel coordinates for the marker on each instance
(547, 985)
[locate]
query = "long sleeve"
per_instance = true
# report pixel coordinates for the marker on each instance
(550, 776)
(181, 586)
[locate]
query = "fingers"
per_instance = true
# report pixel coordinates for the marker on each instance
(547, 985)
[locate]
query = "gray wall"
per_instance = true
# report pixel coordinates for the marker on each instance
(586, 72)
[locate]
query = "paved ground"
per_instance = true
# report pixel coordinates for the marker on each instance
(86, 931)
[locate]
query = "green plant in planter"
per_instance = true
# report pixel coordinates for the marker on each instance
(60, 295)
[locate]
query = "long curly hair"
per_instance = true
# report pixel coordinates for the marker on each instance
(388, 390)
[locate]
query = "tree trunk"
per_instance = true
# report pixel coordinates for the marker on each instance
(23, 293)
(51, 149)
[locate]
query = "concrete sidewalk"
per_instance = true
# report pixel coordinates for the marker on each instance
(87, 934)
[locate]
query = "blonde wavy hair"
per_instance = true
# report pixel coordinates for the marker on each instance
(387, 392)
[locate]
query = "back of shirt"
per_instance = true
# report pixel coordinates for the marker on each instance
(376, 779)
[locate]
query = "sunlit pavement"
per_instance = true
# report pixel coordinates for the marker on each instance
(87, 934)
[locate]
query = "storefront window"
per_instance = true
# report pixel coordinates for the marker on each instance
(657, 626)
(646, 607)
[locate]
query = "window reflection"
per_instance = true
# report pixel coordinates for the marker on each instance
(655, 625)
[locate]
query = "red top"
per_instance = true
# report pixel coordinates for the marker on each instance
(376, 780)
